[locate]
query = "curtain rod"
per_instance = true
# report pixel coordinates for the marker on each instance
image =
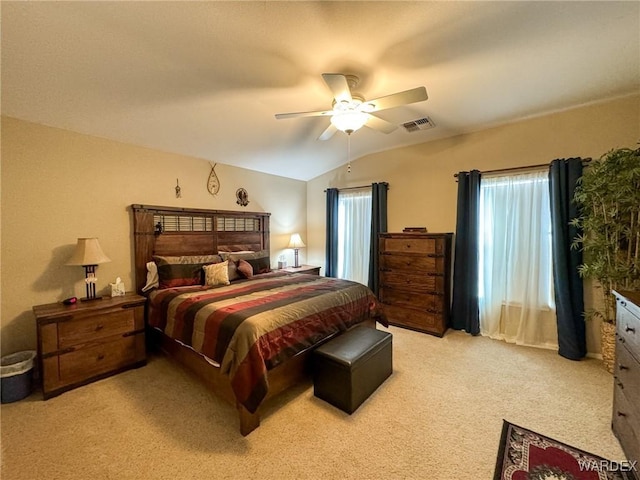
(515, 169)
(358, 187)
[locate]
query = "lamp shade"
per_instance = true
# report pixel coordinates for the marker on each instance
(88, 252)
(349, 121)
(296, 241)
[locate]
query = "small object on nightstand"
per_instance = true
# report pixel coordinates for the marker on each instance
(70, 300)
(414, 230)
(117, 288)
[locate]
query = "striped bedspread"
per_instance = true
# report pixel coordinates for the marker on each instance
(251, 326)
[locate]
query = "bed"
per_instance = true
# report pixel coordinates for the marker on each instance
(248, 337)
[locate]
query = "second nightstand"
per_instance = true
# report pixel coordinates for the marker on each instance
(309, 269)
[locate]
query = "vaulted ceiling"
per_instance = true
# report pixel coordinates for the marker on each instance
(205, 79)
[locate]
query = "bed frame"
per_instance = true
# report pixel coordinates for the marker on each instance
(182, 231)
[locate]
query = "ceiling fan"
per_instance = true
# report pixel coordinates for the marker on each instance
(351, 111)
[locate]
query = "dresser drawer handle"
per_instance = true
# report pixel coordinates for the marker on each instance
(620, 414)
(100, 357)
(622, 367)
(630, 329)
(99, 327)
(620, 384)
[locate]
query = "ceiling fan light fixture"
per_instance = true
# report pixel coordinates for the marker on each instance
(349, 121)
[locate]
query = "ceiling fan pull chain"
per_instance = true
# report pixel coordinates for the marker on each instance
(349, 152)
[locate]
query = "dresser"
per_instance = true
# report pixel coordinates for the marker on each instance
(87, 341)
(414, 279)
(626, 391)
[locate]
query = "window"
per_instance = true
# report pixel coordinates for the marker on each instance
(354, 235)
(516, 275)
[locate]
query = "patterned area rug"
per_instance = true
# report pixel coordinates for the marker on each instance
(526, 455)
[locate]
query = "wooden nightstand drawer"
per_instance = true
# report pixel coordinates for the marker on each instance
(92, 327)
(89, 362)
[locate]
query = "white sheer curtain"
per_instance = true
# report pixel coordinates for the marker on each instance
(354, 235)
(516, 278)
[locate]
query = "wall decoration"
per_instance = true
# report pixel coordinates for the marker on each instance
(178, 190)
(213, 184)
(242, 197)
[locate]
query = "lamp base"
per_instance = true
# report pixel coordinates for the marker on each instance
(89, 299)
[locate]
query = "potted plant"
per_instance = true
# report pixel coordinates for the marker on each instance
(608, 195)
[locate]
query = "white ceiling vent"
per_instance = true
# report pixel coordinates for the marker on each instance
(421, 124)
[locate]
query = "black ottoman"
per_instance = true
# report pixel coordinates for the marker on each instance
(350, 367)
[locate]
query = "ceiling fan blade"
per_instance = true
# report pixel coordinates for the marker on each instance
(280, 116)
(328, 133)
(379, 124)
(414, 95)
(338, 85)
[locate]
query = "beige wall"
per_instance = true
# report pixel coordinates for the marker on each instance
(422, 189)
(58, 185)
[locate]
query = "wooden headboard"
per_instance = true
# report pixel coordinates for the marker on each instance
(193, 231)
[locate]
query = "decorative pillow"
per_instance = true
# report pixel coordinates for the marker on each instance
(260, 265)
(245, 268)
(152, 277)
(216, 274)
(182, 271)
(233, 271)
(260, 261)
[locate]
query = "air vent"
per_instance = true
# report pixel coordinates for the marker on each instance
(421, 124)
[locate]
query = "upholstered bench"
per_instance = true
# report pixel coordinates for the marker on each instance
(350, 367)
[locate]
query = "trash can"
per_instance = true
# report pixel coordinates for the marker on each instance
(16, 375)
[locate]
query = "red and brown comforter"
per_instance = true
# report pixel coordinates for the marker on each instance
(251, 326)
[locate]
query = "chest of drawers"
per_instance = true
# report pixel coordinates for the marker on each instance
(626, 391)
(415, 271)
(81, 343)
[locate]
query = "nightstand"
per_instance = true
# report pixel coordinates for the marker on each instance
(87, 341)
(309, 269)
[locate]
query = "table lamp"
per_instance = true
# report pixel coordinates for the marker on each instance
(89, 254)
(296, 243)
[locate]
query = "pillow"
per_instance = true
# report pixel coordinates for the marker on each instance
(245, 268)
(233, 271)
(184, 270)
(216, 274)
(260, 261)
(152, 277)
(260, 265)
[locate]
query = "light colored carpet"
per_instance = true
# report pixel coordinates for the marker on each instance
(438, 417)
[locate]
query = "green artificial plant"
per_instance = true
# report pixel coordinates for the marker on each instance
(608, 196)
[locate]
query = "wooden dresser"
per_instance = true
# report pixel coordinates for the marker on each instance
(415, 277)
(626, 391)
(80, 343)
